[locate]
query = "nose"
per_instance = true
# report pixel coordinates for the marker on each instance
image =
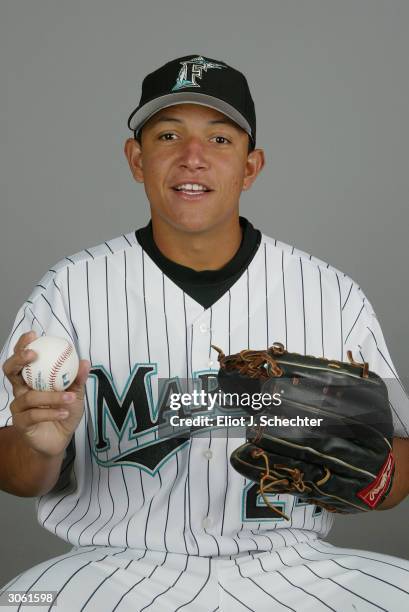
(193, 154)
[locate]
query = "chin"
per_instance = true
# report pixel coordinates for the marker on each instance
(192, 221)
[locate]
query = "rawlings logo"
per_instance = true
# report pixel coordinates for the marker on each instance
(373, 493)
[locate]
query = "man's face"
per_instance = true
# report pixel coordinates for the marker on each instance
(189, 144)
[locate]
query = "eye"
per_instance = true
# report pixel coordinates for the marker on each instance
(223, 138)
(162, 136)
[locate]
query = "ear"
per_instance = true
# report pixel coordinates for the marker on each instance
(133, 153)
(254, 165)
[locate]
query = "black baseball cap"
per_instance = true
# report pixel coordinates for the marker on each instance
(198, 80)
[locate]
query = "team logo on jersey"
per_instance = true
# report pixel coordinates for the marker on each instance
(193, 69)
(127, 423)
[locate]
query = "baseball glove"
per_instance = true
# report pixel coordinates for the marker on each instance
(345, 464)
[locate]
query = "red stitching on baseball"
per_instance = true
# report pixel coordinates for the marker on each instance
(29, 375)
(57, 366)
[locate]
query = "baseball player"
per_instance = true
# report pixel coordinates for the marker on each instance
(160, 523)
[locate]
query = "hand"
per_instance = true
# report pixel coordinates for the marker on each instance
(45, 419)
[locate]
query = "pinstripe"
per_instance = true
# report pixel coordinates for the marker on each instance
(284, 298)
(305, 591)
(211, 334)
(69, 302)
(321, 314)
(354, 323)
(355, 554)
(156, 493)
(109, 248)
(229, 321)
(184, 515)
(77, 571)
(266, 291)
(168, 589)
(186, 343)
(327, 578)
(89, 504)
(166, 321)
(236, 599)
(37, 321)
(146, 524)
(55, 506)
(98, 587)
(133, 586)
(395, 586)
(297, 586)
(261, 588)
(208, 495)
(58, 319)
(248, 308)
(144, 305)
(60, 500)
(65, 558)
(127, 312)
(303, 307)
(78, 500)
(192, 440)
(384, 358)
(347, 298)
(292, 533)
(169, 498)
(340, 320)
(198, 592)
(263, 535)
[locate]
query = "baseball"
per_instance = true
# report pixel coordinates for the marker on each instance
(55, 367)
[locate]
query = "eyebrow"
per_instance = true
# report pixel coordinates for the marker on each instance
(166, 119)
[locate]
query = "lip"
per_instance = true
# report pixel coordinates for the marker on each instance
(189, 182)
(191, 197)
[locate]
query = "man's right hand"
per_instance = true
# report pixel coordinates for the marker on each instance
(45, 419)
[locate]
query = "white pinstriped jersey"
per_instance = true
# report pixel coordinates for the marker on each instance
(122, 486)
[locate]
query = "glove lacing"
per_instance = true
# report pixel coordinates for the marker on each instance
(292, 481)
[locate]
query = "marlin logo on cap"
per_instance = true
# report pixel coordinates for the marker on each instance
(191, 70)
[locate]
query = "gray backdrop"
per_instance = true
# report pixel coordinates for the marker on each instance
(330, 83)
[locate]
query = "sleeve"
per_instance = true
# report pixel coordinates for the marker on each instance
(44, 312)
(364, 337)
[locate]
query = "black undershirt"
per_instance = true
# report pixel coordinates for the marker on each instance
(204, 286)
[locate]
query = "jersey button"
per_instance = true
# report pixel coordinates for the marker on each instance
(203, 328)
(208, 454)
(206, 522)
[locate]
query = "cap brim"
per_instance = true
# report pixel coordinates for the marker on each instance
(141, 115)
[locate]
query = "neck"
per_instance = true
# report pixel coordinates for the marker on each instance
(208, 250)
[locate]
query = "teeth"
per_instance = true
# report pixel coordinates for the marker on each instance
(191, 187)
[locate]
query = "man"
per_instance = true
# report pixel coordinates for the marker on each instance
(166, 523)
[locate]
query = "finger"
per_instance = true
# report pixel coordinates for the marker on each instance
(13, 367)
(34, 399)
(26, 419)
(24, 340)
(14, 364)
